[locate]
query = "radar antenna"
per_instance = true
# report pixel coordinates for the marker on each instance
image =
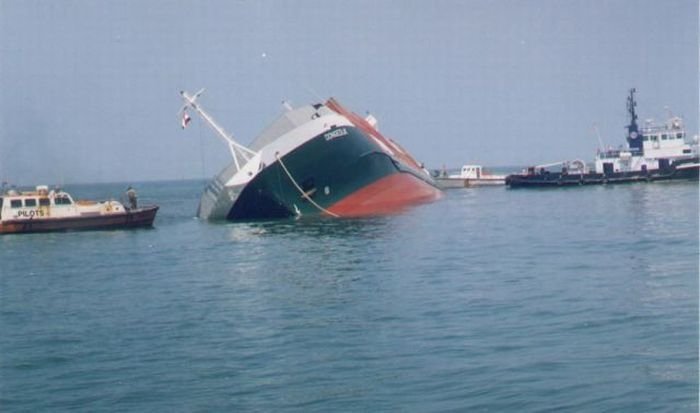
(634, 139)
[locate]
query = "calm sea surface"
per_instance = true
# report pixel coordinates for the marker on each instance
(582, 299)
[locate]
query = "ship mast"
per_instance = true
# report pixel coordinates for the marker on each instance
(241, 155)
(634, 139)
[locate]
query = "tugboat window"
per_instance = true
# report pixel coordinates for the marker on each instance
(679, 136)
(30, 202)
(663, 137)
(16, 203)
(44, 202)
(62, 201)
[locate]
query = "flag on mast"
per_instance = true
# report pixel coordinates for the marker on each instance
(185, 119)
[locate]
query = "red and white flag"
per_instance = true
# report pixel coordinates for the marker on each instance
(185, 119)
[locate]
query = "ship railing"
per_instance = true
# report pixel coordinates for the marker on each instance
(661, 128)
(617, 153)
(612, 153)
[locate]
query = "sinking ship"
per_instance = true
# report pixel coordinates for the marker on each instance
(319, 159)
(654, 153)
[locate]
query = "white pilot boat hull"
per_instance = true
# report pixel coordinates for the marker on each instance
(44, 211)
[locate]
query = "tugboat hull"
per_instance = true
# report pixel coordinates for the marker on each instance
(687, 171)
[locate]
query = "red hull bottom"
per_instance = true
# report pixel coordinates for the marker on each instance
(389, 195)
(142, 217)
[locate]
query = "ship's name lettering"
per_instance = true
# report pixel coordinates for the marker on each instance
(335, 134)
(30, 213)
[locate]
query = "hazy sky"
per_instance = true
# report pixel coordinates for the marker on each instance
(89, 89)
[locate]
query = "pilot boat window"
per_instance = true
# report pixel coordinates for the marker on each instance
(16, 203)
(663, 137)
(30, 202)
(645, 138)
(62, 200)
(679, 136)
(44, 202)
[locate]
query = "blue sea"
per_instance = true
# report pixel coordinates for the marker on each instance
(489, 300)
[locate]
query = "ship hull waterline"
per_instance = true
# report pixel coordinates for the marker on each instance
(348, 176)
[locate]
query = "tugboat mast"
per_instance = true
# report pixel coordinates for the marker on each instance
(634, 138)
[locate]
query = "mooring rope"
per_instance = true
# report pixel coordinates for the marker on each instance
(301, 191)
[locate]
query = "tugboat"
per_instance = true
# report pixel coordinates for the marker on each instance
(319, 159)
(653, 153)
(469, 176)
(45, 211)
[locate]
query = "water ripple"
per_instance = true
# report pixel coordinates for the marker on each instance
(490, 300)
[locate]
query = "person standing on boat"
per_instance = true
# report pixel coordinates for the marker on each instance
(131, 195)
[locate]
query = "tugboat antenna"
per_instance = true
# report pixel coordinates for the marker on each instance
(668, 111)
(600, 140)
(237, 150)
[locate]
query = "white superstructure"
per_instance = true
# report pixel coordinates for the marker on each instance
(661, 145)
(42, 203)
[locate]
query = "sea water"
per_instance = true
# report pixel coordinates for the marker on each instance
(581, 299)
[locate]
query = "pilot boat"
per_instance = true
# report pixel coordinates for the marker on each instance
(469, 175)
(44, 211)
(653, 153)
(315, 160)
